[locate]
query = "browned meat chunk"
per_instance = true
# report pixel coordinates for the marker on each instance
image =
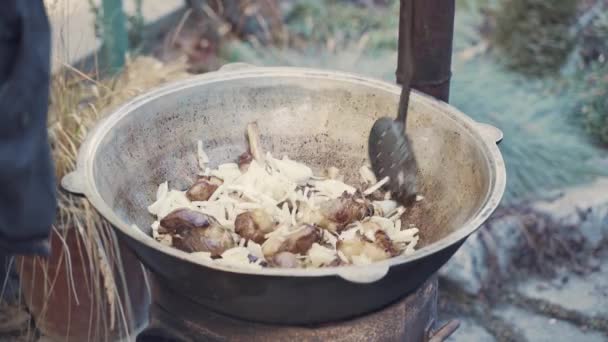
(203, 188)
(297, 242)
(254, 225)
(181, 220)
(384, 242)
(192, 231)
(244, 161)
(300, 241)
(342, 211)
(215, 240)
(381, 249)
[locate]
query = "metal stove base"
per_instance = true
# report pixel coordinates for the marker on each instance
(411, 319)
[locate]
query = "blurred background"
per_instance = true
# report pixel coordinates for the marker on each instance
(536, 69)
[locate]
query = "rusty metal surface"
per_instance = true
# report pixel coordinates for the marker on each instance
(409, 319)
(432, 45)
(319, 117)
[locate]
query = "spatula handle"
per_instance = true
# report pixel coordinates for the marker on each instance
(404, 100)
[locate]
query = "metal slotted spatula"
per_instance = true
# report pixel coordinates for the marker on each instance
(390, 149)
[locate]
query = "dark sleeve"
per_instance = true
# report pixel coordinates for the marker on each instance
(27, 184)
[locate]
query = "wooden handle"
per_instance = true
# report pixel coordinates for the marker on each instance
(405, 69)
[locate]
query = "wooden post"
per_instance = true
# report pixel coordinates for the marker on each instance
(115, 40)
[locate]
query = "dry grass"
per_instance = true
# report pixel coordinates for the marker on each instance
(548, 244)
(78, 101)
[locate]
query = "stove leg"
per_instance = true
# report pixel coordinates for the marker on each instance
(161, 328)
(156, 335)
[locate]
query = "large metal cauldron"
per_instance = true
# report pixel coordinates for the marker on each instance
(318, 117)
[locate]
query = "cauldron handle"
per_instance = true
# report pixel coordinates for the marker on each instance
(444, 332)
(74, 182)
(490, 132)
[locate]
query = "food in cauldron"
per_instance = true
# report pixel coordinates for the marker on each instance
(268, 212)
